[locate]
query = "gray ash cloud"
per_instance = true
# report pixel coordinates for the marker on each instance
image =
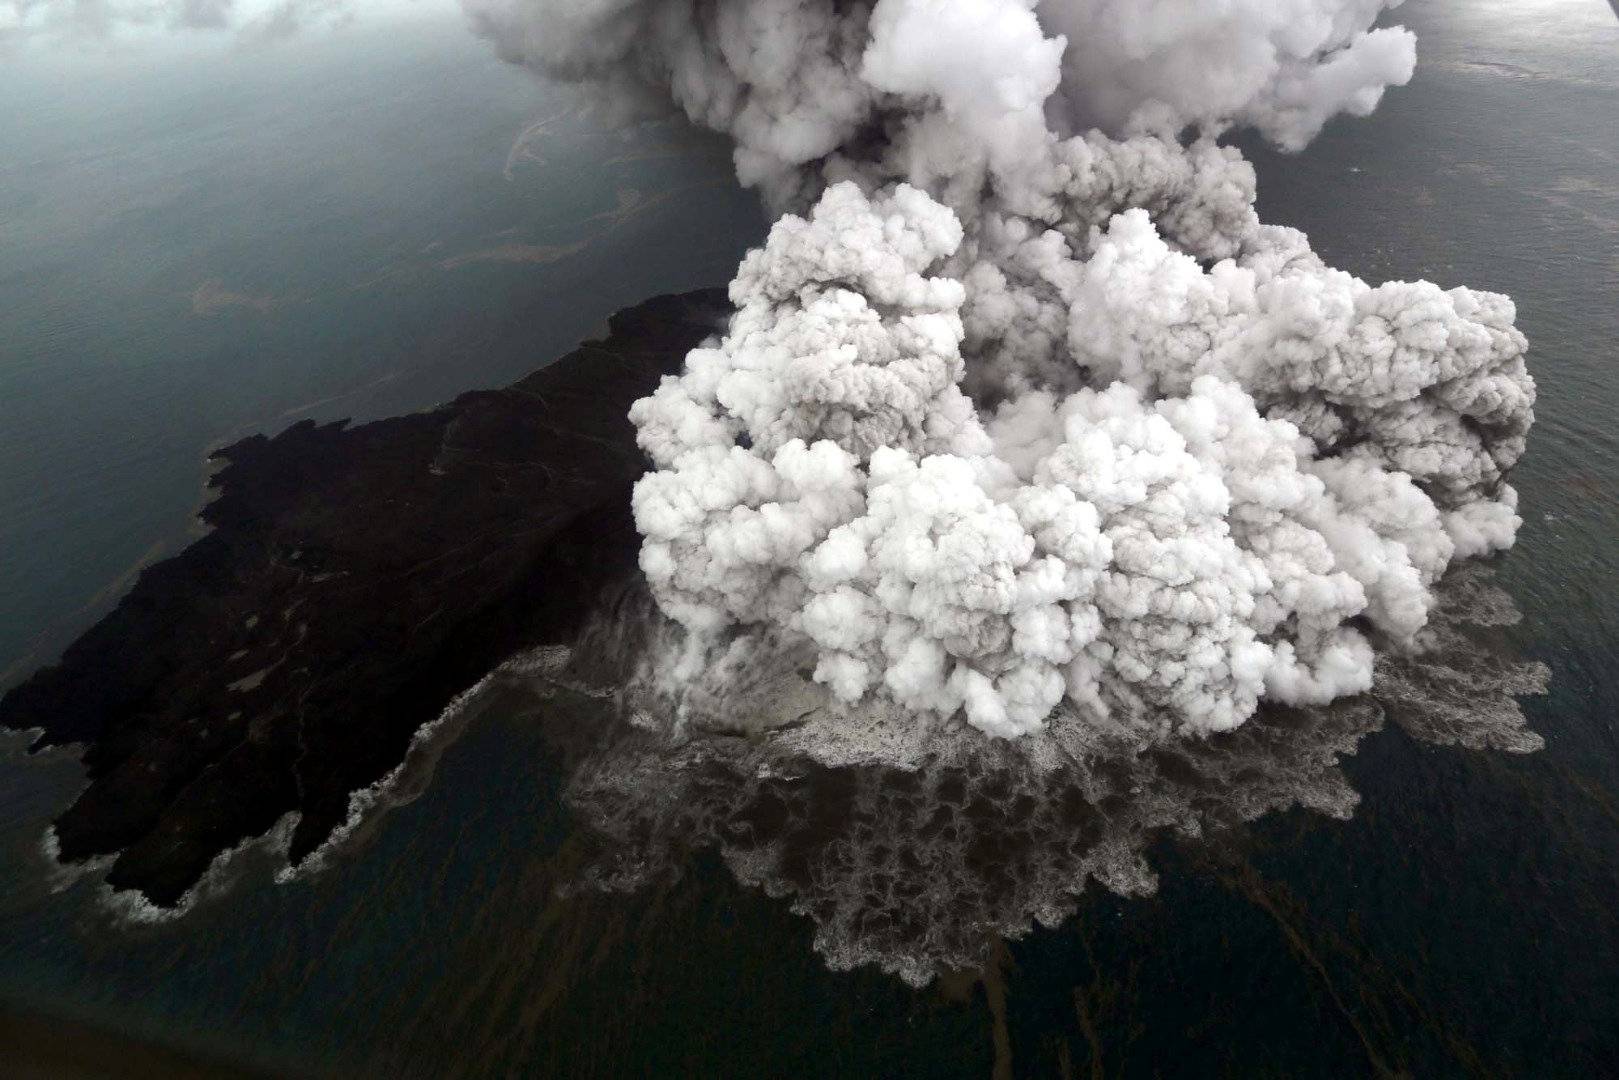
(920, 857)
(1023, 408)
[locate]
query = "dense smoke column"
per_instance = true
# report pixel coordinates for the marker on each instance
(1019, 413)
(804, 85)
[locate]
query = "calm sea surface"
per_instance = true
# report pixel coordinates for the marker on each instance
(196, 248)
(368, 230)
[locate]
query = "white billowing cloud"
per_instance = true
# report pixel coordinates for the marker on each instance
(988, 65)
(1012, 419)
(1157, 547)
(1425, 381)
(795, 82)
(1284, 67)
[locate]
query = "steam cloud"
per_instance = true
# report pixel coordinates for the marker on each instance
(1023, 409)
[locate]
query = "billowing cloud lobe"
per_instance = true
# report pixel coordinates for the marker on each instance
(1022, 408)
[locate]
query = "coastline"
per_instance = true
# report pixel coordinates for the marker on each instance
(355, 580)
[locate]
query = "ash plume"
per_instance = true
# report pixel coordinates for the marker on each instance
(1023, 410)
(918, 859)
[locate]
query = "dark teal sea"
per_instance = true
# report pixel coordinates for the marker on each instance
(198, 247)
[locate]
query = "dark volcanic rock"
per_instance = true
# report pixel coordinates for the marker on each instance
(356, 579)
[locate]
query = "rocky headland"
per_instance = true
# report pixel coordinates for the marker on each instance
(354, 581)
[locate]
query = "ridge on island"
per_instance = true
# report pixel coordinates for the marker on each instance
(355, 580)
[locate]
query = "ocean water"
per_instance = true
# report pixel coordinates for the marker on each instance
(1461, 922)
(196, 247)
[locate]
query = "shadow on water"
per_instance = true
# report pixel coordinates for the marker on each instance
(670, 922)
(557, 892)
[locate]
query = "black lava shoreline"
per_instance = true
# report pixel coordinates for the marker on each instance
(355, 580)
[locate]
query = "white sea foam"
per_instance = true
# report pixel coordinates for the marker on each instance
(406, 782)
(223, 874)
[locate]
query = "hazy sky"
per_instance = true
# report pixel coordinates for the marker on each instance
(99, 27)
